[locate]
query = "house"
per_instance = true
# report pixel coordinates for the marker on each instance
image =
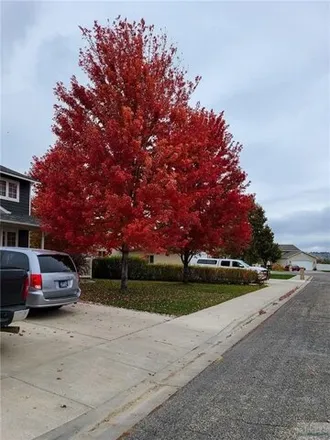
(16, 220)
(292, 255)
(155, 258)
(151, 258)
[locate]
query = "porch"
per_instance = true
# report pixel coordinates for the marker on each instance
(15, 230)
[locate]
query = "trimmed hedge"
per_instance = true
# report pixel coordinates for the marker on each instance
(138, 269)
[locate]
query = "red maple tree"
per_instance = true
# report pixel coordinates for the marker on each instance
(104, 183)
(210, 204)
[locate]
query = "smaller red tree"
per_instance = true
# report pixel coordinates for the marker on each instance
(210, 205)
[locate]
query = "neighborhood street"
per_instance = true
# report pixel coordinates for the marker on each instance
(99, 370)
(274, 384)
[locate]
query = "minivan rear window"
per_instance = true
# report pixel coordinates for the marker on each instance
(55, 263)
(14, 260)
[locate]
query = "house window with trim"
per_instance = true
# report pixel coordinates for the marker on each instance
(10, 238)
(9, 190)
(151, 259)
(3, 188)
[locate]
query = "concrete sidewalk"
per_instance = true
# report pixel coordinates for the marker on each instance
(91, 372)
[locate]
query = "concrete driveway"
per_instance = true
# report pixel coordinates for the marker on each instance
(90, 364)
(66, 362)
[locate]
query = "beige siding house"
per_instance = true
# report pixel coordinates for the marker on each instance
(292, 255)
(153, 258)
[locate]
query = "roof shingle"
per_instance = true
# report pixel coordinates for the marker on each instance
(9, 172)
(19, 219)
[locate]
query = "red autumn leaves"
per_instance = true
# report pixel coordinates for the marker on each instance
(134, 166)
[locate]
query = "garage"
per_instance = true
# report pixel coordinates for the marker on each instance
(308, 265)
(293, 255)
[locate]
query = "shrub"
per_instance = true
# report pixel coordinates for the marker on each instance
(278, 267)
(80, 262)
(110, 267)
(139, 269)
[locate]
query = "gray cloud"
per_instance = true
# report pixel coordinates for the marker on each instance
(17, 17)
(303, 222)
(265, 63)
(307, 229)
(56, 50)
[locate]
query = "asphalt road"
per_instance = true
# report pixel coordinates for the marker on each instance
(274, 384)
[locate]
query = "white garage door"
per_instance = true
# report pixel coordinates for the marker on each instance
(308, 265)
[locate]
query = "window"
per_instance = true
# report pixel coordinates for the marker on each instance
(9, 190)
(12, 190)
(9, 238)
(151, 259)
(225, 263)
(211, 262)
(15, 260)
(55, 263)
(3, 186)
(238, 264)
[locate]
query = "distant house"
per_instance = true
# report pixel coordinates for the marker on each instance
(16, 220)
(292, 255)
(153, 258)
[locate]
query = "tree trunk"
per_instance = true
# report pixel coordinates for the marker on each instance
(124, 268)
(185, 258)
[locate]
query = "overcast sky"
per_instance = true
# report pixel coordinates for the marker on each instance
(266, 64)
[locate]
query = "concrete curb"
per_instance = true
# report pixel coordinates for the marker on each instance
(113, 418)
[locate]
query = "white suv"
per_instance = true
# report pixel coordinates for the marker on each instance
(228, 263)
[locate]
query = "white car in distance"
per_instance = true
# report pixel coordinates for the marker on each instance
(228, 263)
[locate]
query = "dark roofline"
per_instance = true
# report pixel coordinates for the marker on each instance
(292, 254)
(11, 173)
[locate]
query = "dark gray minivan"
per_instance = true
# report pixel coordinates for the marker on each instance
(54, 281)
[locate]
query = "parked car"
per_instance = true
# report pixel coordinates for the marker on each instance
(294, 267)
(53, 278)
(14, 285)
(228, 263)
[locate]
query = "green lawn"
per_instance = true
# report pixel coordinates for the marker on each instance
(282, 276)
(168, 298)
